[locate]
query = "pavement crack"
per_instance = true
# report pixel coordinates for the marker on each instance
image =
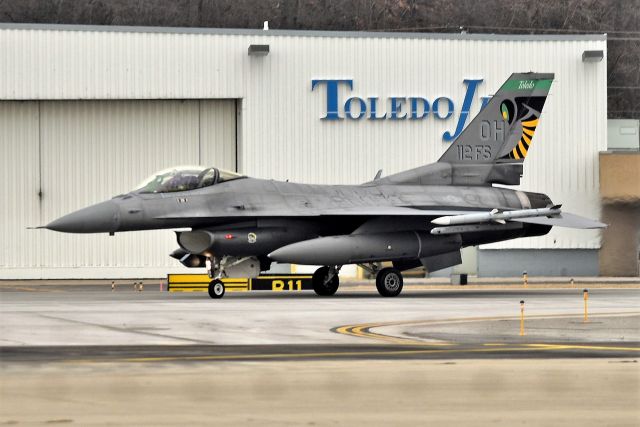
(127, 330)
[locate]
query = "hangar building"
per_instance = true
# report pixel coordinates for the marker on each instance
(88, 112)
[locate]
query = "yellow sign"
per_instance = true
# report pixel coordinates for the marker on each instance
(200, 283)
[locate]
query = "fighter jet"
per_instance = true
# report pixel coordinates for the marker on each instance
(236, 226)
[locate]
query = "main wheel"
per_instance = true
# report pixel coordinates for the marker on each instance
(216, 289)
(389, 282)
(320, 287)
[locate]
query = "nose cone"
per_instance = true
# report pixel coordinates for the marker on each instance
(100, 218)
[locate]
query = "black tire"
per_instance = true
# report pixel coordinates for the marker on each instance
(322, 289)
(389, 282)
(216, 289)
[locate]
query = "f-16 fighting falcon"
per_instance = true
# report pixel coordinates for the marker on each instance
(236, 226)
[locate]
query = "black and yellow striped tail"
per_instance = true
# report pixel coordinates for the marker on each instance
(522, 147)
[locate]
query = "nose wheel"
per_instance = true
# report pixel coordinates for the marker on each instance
(326, 281)
(389, 282)
(216, 289)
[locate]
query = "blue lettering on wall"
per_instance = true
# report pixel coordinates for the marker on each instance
(332, 96)
(415, 101)
(373, 102)
(395, 107)
(436, 107)
(466, 106)
(362, 106)
(485, 100)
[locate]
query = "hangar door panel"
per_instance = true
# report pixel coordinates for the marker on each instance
(94, 150)
(218, 133)
(19, 184)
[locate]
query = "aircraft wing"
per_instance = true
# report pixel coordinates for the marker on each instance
(393, 211)
(337, 211)
(564, 219)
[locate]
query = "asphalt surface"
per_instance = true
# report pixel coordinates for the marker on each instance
(93, 324)
(86, 355)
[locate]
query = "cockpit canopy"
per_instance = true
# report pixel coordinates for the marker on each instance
(184, 178)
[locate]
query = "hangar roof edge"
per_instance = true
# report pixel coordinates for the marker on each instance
(302, 33)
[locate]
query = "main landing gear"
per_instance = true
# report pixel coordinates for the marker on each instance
(326, 280)
(388, 280)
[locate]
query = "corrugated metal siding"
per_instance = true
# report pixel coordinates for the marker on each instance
(91, 151)
(49, 64)
(218, 134)
(280, 129)
(19, 184)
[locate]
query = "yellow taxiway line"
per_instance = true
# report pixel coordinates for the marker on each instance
(333, 354)
(363, 330)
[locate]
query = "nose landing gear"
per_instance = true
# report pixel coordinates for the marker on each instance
(326, 280)
(216, 289)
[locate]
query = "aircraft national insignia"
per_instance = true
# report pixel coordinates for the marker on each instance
(252, 237)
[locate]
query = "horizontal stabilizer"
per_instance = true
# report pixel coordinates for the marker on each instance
(564, 220)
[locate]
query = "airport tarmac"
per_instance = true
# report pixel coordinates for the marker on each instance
(89, 355)
(61, 317)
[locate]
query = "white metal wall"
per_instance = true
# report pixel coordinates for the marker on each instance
(281, 133)
(82, 152)
(19, 182)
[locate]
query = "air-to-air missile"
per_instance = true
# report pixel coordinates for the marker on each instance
(496, 216)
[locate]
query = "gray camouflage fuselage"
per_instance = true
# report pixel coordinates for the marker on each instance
(282, 213)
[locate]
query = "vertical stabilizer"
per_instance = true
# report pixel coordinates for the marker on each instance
(503, 131)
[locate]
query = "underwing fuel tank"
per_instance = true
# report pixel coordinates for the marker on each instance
(240, 241)
(362, 248)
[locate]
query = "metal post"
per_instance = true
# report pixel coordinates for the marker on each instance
(522, 318)
(585, 295)
(525, 278)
